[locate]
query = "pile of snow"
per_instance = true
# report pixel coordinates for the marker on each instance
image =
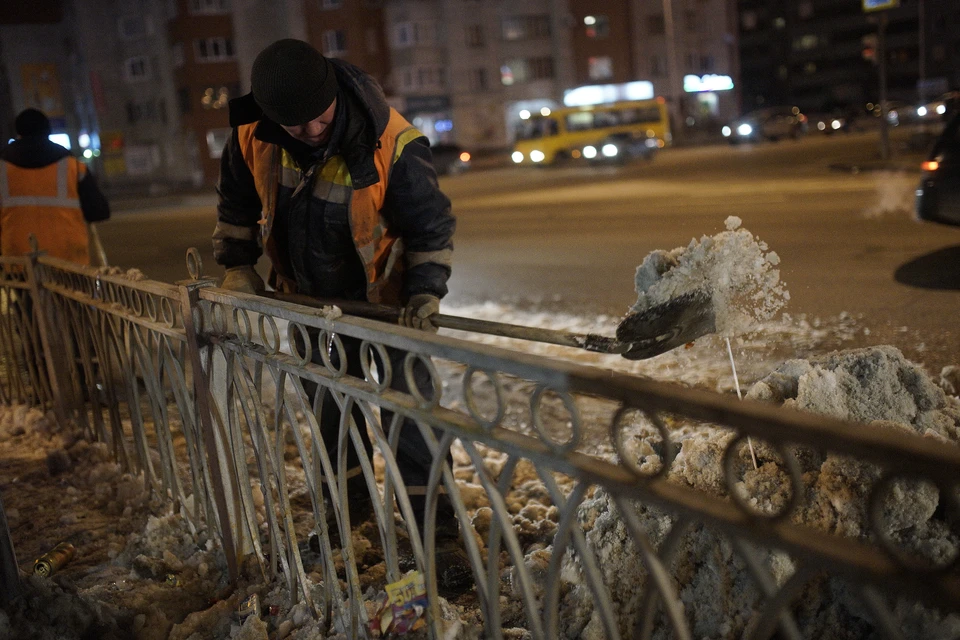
(735, 268)
(876, 387)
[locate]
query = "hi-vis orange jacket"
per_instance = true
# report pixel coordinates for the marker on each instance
(43, 201)
(375, 181)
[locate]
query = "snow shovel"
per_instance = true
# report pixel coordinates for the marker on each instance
(639, 336)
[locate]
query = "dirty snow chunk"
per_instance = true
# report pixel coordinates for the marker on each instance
(737, 269)
(861, 385)
(950, 380)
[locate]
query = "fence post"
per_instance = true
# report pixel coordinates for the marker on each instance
(189, 297)
(48, 338)
(9, 569)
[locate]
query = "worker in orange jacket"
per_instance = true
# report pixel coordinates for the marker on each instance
(45, 191)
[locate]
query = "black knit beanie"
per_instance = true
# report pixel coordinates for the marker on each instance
(31, 123)
(292, 82)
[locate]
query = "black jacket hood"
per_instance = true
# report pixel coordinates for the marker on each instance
(366, 111)
(34, 152)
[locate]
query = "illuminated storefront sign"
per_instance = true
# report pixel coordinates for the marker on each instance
(711, 82)
(604, 93)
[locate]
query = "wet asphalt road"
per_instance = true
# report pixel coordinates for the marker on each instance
(570, 238)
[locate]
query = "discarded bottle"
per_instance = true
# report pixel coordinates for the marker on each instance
(54, 560)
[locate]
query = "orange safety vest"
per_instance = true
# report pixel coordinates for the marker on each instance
(378, 247)
(43, 201)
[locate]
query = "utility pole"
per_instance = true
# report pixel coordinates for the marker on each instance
(676, 116)
(884, 109)
(882, 19)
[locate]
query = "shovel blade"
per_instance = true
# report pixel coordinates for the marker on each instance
(667, 326)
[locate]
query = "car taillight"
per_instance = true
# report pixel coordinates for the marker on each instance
(930, 165)
(465, 157)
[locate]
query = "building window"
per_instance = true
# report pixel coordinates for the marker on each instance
(600, 67)
(656, 67)
(402, 35)
(525, 27)
(334, 42)
(133, 27)
(177, 55)
(521, 70)
(209, 7)
(326, 5)
(217, 140)
(656, 25)
(478, 79)
(183, 100)
(806, 42)
(373, 41)
(474, 35)
(214, 49)
(146, 111)
(597, 26)
(136, 69)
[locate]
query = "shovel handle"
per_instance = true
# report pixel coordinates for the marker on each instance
(387, 313)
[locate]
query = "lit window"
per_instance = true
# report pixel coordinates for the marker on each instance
(215, 98)
(600, 67)
(597, 26)
(334, 42)
(217, 140)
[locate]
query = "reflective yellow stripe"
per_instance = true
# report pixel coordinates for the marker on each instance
(408, 134)
(335, 171)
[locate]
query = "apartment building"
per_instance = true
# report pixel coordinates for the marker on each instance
(139, 129)
(464, 69)
(823, 54)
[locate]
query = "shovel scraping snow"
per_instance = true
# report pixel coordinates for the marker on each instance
(642, 335)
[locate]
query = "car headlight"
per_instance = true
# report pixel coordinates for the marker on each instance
(517, 157)
(609, 150)
(821, 126)
(589, 152)
(651, 142)
(836, 124)
(726, 131)
(537, 156)
(744, 129)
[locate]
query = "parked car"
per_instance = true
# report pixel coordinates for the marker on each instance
(938, 195)
(450, 159)
(769, 123)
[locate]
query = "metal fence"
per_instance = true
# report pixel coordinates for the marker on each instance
(209, 395)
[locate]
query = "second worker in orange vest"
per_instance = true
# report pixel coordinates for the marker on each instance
(339, 191)
(46, 192)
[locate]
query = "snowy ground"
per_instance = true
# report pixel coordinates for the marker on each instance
(140, 574)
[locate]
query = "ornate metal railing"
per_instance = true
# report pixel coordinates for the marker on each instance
(591, 504)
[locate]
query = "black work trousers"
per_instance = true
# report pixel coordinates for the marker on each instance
(413, 455)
